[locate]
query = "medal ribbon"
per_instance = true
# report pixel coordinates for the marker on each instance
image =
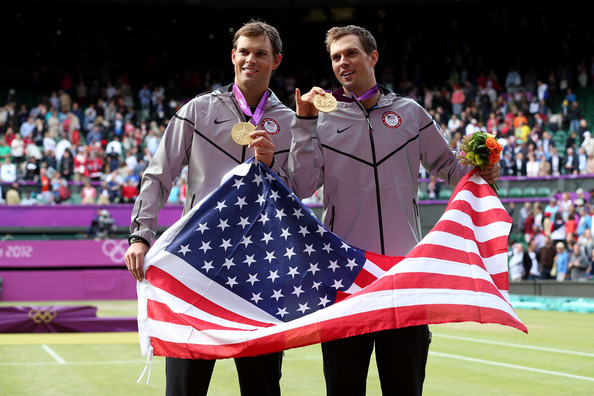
(339, 94)
(257, 115)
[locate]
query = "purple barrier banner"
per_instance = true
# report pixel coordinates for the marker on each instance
(60, 319)
(76, 215)
(62, 253)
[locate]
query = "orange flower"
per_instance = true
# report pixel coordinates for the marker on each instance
(491, 144)
(493, 157)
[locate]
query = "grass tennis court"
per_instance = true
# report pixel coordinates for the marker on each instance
(555, 358)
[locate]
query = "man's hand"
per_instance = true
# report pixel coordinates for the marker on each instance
(305, 104)
(264, 148)
(135, 259)
(490, 173)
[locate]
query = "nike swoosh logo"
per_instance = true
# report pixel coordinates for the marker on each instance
(220, 122)
(342, 130)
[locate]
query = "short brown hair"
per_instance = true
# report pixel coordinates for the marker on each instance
(367, 39)
(256, 28)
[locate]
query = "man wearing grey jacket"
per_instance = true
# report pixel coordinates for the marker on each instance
(199, 136)
(366, 154)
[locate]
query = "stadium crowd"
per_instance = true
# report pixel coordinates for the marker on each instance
(103, 136)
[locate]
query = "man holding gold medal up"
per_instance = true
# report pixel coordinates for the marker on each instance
(212, 134)
(364, 144)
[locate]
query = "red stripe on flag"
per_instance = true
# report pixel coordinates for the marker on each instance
(161, 312)
(364, 278)
(486, 249)
(384, 262)
(165, 281)
(424, 280)
(346, 326)
(480, 219)
(455, 255)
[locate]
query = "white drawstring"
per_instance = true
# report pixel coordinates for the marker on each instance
(149, 363)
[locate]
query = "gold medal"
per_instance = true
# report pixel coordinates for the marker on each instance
(241, 132)
(326, 103)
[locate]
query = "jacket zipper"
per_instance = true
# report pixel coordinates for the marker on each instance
(376, 178)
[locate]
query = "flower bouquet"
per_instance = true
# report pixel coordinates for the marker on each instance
(479, 149)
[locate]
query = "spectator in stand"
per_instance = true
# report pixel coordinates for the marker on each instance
(60, 189)
(560, 262)
(433, 188)
(582, 161)
(565, 205)
(558, 233)
(571, 162)
(129, 192)
(31, 169)
(95, 165)
(29, 199)
(587, 243)
(574, 116)
(88, 193)
(493, 124)
(516, 262)
(114, 186)
(45, 193)
(49, 159)
(4, 148)
(513, 80)
(17, 149)
(572, 140)
(454, 124)
(520, 164)
(532, 165)
(13, 194)
(26, 129)
(457, 99)
(94, 135)
(578, 264)
(544, 166)
(531, 265)
(81, 171)
(8, 171)
(66, 165)
(556, 162)
(571, 224)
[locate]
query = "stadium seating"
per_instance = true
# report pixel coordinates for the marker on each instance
(543, 192)
(515, 192)
(529, 192)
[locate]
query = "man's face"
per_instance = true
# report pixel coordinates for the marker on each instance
(352, 66)
(254, 62)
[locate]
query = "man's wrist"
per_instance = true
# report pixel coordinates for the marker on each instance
(135, 239)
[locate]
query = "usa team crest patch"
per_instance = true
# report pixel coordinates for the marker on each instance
(271, 126)
(391, 119)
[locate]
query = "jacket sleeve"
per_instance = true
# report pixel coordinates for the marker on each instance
(170, 157)
(436, 156)
(306, 159)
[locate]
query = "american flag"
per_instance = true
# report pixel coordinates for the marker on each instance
(251, 270)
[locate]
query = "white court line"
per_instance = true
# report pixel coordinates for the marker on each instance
(447, 355)
(73, 363)
(53, 354)
(515, 345)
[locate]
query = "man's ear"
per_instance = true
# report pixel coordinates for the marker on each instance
(277, 61)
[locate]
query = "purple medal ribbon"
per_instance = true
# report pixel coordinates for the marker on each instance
(257, 115)
(339, 94)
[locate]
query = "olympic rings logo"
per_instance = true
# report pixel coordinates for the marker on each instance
(42, 316)
(115, 249)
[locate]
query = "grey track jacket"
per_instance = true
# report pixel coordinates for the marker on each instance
(368, 164)
(199, 135)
